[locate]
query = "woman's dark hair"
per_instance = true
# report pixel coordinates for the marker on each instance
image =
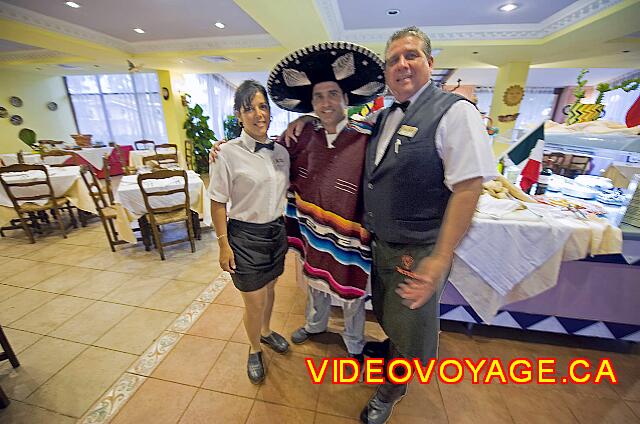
(245, 94)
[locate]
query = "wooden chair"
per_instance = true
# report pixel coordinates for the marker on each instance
(144, 145)
(64, 158)
(108, 187)
(555, 161)
(176, 212)
(104, 206)
(167, 148)
(46, 145)
(188, 153)
(7, 354)
(24, 204)
(162, 160)
(579, 165)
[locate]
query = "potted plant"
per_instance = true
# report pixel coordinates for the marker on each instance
(232, 127)
(201, 137)
(584, 112)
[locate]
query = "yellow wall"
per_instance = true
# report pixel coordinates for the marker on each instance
(36, 91)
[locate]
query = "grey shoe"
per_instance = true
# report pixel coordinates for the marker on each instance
(377, 411)
(276, 342)
(255, 368)
(301, 335)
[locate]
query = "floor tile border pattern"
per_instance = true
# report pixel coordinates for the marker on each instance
(105, 408)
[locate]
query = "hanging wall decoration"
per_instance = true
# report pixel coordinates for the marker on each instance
(15, 101)
(52, 106)
(3, 112)
(513, 95)
(16, 119)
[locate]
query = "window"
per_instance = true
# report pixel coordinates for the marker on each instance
(536, 106)
(118, 107)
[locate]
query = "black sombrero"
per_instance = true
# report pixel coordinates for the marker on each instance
(358, 71)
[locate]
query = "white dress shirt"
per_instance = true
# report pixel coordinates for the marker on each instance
(331, 138)
(461, 141)
(255, 183)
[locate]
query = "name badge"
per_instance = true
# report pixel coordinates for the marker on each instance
(407, 131)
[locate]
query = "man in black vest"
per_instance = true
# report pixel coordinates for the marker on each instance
(425, 163)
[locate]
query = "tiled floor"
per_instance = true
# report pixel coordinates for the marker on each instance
(79, 317)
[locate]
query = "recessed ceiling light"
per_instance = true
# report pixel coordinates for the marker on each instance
(139, 30)
(392, 12)
(219, 25)
(474, 52)
(72, 4)
(259, 58)
(626, 51)
(180, 61)
(508, 7)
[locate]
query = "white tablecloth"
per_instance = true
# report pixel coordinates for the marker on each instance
(501, 261)
(136, 156)
(94, 155)
(61, 181)
(130, 196)
(32, 159)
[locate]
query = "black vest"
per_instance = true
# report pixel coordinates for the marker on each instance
(404, 196)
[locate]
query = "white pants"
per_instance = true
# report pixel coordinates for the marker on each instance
(318, 309)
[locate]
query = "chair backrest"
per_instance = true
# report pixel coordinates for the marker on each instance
(50, 144)
(62, 158)
(22, 191)
(579, 164)
(20, 156)
(93, 185)
(188, 153)
(161, 159)
(106, 168)
(555, 161)
(148, 194)
(144, 145)
(121, 158)
(167, 148)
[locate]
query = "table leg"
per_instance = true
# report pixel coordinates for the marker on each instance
(195, 220)
(145, 231)
(4, 400)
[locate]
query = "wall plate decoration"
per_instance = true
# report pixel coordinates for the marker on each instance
(52, 106)
(3, 112)
(513, 95)
(16, 119)
(165, 93)
(15, 101)
(508, 118)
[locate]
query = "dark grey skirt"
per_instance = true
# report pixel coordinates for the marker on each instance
(414, 332)
(259, 251)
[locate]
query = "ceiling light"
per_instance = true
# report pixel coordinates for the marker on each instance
(72, 4)
(626, 51)
(139, 30)
(508, 7)
(219, 25)
(392, 12)
(216, 59)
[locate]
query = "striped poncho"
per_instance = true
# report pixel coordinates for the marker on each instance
(324, 212)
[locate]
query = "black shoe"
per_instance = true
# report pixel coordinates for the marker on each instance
(276, 342)
(301, 335)
(360, 358)
(376, 349)
(255, 368)
(377, 411)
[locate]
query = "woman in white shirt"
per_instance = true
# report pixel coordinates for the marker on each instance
(251, 173)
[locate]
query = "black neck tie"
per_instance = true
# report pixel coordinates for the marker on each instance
(263, 146)
(403, 106)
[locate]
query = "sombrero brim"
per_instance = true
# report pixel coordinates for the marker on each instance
(358, 71)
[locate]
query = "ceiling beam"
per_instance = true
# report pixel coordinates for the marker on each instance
(293, 23)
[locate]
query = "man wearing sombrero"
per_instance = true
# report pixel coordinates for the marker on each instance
(327, 163)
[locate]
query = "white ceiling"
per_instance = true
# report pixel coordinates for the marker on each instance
(10, 46)
(539, 77)
(429, 13)
(160, 19)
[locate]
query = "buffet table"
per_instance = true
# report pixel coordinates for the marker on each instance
(539, 270)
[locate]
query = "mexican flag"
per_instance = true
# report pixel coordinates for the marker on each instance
(532, 169)
(531, 147)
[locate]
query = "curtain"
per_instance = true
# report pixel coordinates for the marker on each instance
(484, 95)
(536, 106)
(118, 107)
(215, 95)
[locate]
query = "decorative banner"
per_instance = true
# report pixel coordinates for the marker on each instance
(508, 118)
(583, 112)
(513, 95)
(367, 108)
